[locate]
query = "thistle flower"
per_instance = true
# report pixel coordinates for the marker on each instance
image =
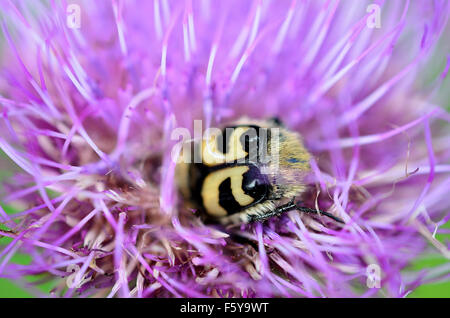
(91, 91)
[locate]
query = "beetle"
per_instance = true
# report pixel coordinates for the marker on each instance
(249, 171)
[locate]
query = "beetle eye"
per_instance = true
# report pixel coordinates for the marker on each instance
(255, 184)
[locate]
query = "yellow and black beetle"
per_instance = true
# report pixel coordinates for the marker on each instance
(250, 171)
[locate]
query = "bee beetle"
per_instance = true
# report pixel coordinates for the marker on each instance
(249, 171)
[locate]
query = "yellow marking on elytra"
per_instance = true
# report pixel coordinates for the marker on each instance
(212, 156)
(210, 189)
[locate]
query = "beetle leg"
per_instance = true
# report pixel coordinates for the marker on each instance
(308, 210)
(279, 210)
(292, 206)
